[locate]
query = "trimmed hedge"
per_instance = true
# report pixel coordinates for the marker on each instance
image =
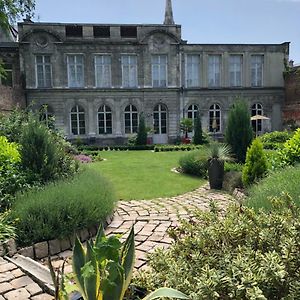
(166, 148)
(83, 148)
(275, 140)
(59, 209)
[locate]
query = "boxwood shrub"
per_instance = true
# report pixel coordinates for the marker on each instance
(275, 140)
(243, 255)
(58, 209)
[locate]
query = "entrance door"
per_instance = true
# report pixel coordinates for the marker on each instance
(160, 115)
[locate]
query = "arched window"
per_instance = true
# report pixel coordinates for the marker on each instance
(160, 119)
(215, 118)
(77, 117)
(192, 111)
(104, 120)
(131, 119)
(47, 115)
(256, 109)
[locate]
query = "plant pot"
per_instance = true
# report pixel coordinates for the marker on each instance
(215, 173)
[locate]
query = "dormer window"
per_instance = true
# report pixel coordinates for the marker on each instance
(101, 31)
(128, 31)
(73, 31)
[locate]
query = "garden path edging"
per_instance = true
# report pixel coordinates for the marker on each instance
(52, 247)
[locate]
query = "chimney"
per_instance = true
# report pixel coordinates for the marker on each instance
(169, 20)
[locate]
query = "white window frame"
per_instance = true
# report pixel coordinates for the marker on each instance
(259, 110)
(103, 65)
(215, 110)
(254, 81)
(131, 113)
(160, 70)
(162, 109)
(105, 113)
(43, 64)
(77, 113)
(234, 69)
(192, 109)
(192, 82)
(135, 85)
(214, 84)
(80, 85)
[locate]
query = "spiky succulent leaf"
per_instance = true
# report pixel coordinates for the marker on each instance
(100, 234)
(78, 262)
(128, 258)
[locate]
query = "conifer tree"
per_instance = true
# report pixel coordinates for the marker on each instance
(198, 134)
(239, 130)
(141, 138)
(256, 164)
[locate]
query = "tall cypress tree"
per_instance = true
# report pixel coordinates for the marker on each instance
(198, 134)
(141, 138)
(238, 132)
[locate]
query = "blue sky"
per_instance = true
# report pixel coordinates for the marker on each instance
(206, 21)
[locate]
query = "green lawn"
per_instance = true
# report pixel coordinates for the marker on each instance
(145, 174)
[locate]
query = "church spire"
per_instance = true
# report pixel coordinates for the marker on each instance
(169, 13)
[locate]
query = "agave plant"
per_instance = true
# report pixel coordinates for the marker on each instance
(103, 270)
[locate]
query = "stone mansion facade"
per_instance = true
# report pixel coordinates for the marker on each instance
(96, 79)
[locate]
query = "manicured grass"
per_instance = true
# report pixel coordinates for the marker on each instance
(60, 208)
(284, 181)
(145, 174)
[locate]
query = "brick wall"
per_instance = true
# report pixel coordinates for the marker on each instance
(291, 109)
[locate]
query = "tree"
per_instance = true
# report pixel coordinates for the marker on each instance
(12, 10)
(186, 125)
(239, 133)
(256, 164)
(198, 134)
(141, 138)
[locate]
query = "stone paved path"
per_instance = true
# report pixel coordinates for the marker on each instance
(15, 285)
(152, 219)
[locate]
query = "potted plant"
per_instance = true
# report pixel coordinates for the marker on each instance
(218, 154)
(186, 125)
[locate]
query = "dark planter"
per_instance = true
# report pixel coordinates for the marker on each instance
(215, 173)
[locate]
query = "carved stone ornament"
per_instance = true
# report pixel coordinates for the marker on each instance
(42, 41)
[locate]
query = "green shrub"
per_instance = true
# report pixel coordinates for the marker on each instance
(7, 229)
(243, 255)
(141, 138)
(232, 180)
(42, 153)
(194, 163)
(274, 140)
(232, 166)
(290, 154)
(283, 181)
(12, 178)
(60, 208)
(238, 132)
(256, 164)
(198, 138)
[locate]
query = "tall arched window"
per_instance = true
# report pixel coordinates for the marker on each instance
(47, 115)
(257, 109)
(131, 119)
(215, 118)
(192, 111)
(104, 120)
(160, 119)
(77, 117)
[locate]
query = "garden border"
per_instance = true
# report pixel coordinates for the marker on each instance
(52, 247)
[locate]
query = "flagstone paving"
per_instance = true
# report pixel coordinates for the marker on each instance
(152, 219)
(16, 285)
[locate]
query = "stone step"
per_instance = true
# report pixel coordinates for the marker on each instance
(36, 271)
